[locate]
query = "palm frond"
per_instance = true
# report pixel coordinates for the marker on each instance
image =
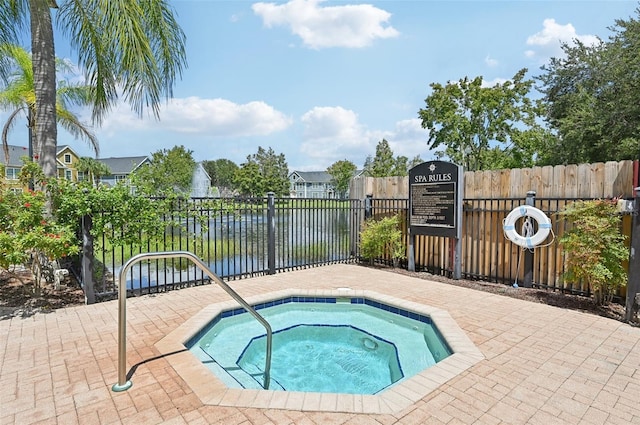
(8, 125)
(19, 94)
(13, 20)
(135, 46)
(78, 129)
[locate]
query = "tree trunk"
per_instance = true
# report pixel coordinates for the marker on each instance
(87, 260)
(44, 82)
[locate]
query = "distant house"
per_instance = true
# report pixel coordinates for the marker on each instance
(312, 184)
(121, 168)
(66, 161)
(12, 165)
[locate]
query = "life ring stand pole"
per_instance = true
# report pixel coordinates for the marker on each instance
(527, 280)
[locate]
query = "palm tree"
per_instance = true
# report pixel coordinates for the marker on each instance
(93, 168)
(19, 96)
(134, 49)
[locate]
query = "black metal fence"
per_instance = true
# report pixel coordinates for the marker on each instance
(237, 238)
(240, 238)
(487, 254)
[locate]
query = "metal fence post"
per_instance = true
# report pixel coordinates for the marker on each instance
(368, 209)
(633, 285)
(528, 253)
(271, 233)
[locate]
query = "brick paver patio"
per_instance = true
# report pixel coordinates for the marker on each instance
(542, 365)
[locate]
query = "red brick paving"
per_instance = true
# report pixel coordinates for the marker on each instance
(543, 365)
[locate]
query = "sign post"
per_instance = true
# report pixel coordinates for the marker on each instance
(435, 206)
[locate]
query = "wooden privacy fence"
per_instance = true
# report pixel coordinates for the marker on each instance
(584, 181)
(488, 197)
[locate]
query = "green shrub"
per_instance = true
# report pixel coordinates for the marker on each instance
(29, 236)
(594, 248)
(382, 237)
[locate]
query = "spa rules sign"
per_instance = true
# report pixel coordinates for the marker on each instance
(435, 200)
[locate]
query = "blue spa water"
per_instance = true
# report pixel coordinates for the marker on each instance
(322, 358)
(339, 345)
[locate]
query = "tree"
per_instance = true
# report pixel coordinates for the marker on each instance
(594, 248)
(170, 171)
(265, 171)
(470, 120)
(416, 160)
(593, 98)
(18, 96)
(341, 173)
(384, 164)
(93, 169)
(248, 180)
(221, 172)
(400, 166)
(133, 49)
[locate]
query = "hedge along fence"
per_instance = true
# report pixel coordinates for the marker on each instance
(488, 197)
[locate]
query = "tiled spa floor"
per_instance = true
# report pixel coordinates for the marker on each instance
(536, 364)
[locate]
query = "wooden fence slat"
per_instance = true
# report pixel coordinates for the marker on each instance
(469, 182)
(623, 184)
(486, 184)
(477, 184)
(597, 181)
(526, 181)
(558, 186)
(514, 184)
(610, 175)
(505, 183)
(546, 185)
(570, 181)
(583, 181)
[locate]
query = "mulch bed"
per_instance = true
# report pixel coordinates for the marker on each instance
(17, 299)
(612, 310)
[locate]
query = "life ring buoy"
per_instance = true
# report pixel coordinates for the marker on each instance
(526, 241)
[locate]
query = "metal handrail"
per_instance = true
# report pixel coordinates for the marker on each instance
(124, 384)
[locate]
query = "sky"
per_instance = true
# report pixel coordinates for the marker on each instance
(324, 81)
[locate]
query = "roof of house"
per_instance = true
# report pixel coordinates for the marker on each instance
(312, 176)
(17, 152)
(124, 164)
(316, 176)
(60, 148)
(15, 156)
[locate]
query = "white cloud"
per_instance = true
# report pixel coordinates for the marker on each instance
(547, 42)
(490, 62)
(351, 26)
(408, 138)
(334, 133)
(213, 117)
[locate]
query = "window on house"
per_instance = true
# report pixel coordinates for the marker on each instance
(12, 173)
(120, 177)
(81, 176)
(16, 190)
(67, 158)
(67, 174)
